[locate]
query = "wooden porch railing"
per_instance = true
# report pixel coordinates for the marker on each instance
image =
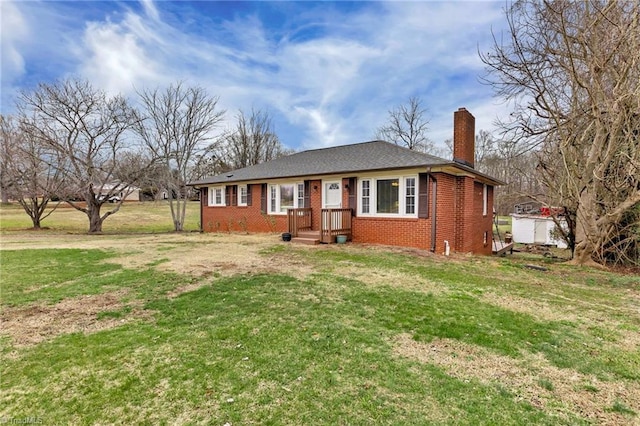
(335, 222)
(298, 220)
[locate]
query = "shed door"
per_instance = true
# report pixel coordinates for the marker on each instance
(540, 232)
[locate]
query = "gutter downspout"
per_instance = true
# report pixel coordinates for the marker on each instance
(434, 203)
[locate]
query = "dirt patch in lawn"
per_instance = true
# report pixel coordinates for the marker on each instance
(30, 325)
(381, 277)
(195, 254)
(231, 255)
(561, 392)
(537, 309)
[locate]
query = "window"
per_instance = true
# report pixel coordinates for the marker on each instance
(485, 199)
(216, 196)
(410, 195)
(366, 194)
(273, 199)
(285, 196)
(242, 195)
(300, 195)
(389, 196)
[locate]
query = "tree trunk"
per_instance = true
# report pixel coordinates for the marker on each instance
(174, 204)
(586, 231)
(95, 221)
(34, 210)
(178, 217)
(36, 222)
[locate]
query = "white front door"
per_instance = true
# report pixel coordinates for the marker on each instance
(332, 195)
(332, 199)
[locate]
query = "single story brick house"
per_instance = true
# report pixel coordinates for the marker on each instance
(372, 192)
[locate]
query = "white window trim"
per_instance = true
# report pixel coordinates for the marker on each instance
(402, 191)
(246, 192)
(276, 210)
(298, 188)
(212, 196)
(274, 193)
(414, 196)
(485, 199)
(360, 202)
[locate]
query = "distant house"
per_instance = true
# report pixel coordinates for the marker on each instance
(527, 207)
(372, 192)
(131, 194)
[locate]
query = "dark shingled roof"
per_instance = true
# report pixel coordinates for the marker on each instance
(366, 156)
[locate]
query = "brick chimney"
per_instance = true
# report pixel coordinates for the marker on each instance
(464, 137)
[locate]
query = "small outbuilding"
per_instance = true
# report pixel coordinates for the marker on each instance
(536, 229)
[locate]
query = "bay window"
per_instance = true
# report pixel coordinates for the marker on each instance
(388, 196)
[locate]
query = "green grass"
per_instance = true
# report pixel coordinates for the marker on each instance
(279, 348)
(503, 228)
(133, 217)
(64, 273)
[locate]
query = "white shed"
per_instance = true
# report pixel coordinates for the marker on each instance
(535, 229)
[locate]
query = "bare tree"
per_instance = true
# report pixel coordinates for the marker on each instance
(408, 126)
(210, 162)
(7, 152)
(485, 149)
(178, 128)
(572, 72)
(84, 132)
(253, 141)
(31, 180)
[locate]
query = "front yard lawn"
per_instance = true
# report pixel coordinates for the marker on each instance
(237, 329)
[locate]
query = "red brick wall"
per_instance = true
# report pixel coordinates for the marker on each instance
(464, 214)
(481, 224)
(445, 217)
(316, 203)
(242, 218)
(391, 231)
(458, 214)
(464, 136)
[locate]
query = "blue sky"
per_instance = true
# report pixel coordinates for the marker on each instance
(328, 72)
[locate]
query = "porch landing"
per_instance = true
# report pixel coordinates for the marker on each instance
(307, 237)
(500, 247)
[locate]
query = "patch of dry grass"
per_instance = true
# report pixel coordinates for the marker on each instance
(531, 378)
(35, 323)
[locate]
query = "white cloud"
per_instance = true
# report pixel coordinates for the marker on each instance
(150, 9)
(115, 58)
(14, 29)
(331, 75)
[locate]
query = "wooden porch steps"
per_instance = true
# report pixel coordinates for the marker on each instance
(307, 237)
